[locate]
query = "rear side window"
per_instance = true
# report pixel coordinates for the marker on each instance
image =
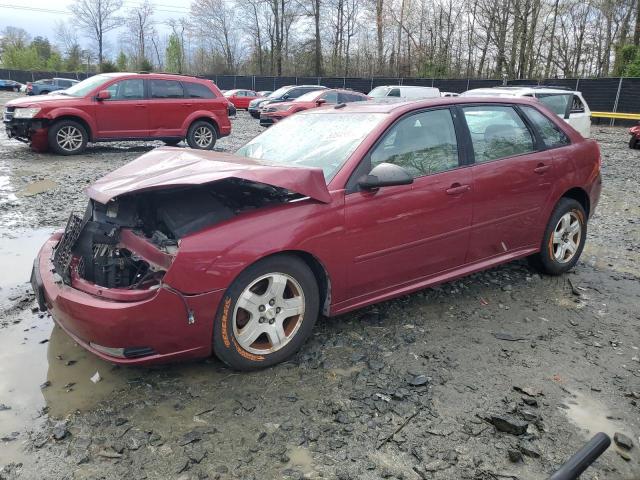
(497, 132)
(557, 103)
(196, 90)
(422, 144)
(552, 136)
(65, 83)
(165, 89)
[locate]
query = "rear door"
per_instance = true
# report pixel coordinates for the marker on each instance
(512, 177)
(125, 114)
(168, 108)
(398, 235)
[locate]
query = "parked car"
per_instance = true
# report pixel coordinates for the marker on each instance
(48, 85)
(122, 106)
(316, 98)
(409, 92)
(10, 85)
(182, 252)
(241, 98)
(568, 104)
(283, 94)
(264, 93)
(449, 94)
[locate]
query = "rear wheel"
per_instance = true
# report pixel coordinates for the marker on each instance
(563, 239)
(266, 314)
(202, 135)
(67, 137)
(633, 142)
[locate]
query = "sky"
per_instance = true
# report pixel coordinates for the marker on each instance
(38, 17)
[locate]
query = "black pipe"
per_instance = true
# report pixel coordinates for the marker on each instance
(572, 468)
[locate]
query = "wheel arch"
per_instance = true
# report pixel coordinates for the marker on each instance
(581, 196)
(317, 268)
(76, 118)
(203, 118)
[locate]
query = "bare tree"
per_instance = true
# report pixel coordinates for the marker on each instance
(96, 18)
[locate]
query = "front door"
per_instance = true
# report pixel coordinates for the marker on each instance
(126, 113)
(398, 235)
(511, 181)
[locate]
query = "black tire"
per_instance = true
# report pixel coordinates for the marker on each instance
(229, 321)
(172, 143)
(633, 143)
(545, 261)
(255, 115)
(75, 129)
(201, 129)
(45, 92)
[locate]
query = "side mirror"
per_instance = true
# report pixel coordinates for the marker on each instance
(321, 101)
(103, 95)
(385, 175)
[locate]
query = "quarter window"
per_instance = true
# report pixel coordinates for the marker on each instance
(497, 132)
(127, 90)
(552, 136)
(166, 89)
(423, 144)
(196, 90)
(577, 106)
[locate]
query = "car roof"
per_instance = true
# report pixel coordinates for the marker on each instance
(409, 105)
(517, 91)
(155, 76)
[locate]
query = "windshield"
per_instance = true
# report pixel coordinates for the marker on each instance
(279, 92)
(308, 97)
(85, 86)
(379, 92)
(335, 137)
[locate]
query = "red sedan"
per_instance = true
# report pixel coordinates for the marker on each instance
(318, 98)
(184, 252)
(241, 98)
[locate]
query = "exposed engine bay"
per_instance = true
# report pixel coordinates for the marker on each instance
(99, 247)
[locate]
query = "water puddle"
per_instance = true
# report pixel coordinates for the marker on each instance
(35, 188)
(592, 416)
(300, 458)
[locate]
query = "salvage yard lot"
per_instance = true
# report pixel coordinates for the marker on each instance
(500, 375)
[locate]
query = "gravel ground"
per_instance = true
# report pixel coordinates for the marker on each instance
(501, 375)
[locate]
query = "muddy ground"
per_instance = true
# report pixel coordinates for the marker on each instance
(501, 375)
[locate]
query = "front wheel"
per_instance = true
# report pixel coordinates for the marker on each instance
(563, 240)
(202, 135)
(266, 314)
(67, 137)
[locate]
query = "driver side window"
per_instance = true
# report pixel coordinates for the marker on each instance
(423, 144)
(127, 90)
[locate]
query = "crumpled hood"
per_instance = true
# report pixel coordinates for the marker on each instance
(174, 167)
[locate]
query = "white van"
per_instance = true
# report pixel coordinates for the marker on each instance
(409, 92)
(567, 104)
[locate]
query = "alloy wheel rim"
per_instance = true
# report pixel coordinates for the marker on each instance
(566, 237)
(203, 137)
(69, 138)
(268, 313)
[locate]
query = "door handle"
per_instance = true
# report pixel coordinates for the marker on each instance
(140, 105)
(457, 189)
(541, 168)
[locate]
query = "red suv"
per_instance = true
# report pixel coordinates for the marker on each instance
(121, 106)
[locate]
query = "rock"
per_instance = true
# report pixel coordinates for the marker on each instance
(4, 407)
(60, 430)
(623, 441)
(528, 450)
(507, 337)
(120, 421)
(508, 424)
(624, 455)
(418, 380)
(515, 456)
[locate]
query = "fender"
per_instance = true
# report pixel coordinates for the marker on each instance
(74, 112)
(220, 120)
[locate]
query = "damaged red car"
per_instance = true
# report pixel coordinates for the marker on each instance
(182, 253)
